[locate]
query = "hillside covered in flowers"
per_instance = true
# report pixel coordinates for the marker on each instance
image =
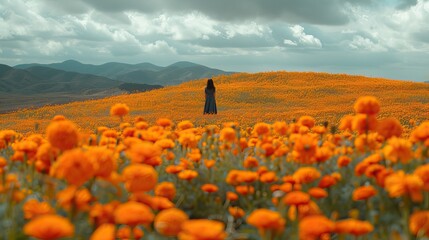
(245, 98)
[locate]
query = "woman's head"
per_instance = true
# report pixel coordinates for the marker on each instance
(210, 84)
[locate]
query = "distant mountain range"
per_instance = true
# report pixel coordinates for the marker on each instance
(34, 85)
(146, 73)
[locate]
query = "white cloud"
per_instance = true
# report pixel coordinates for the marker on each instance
(289, 42)
(360, 42)
(159, 47)
(50, 48)
(251, 28)
(305, 39)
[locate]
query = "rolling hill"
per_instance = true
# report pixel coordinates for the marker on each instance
(37, 86)
(245, 98)
(146, 73)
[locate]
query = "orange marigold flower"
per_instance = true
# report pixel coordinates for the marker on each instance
(71, 196)
(103, 159)
(104, 232)
(261, 128)
(363, 123)
(164, 122)
(231, 196)
(173, 169)
(183, 125)
(266, 220)
(33, 208)
(399, 184)
(62, 134)
(227, 134)
(202, 229)
(46, 155)
(346, 123)
(160, 203)
(49, 227)
(209, 163)
(315, 226)
(423, 173)
(187, 174)
(280, 128)
(421, 133)
(133, 214)
(306, 175)
(236, 212)
(305, 149)
(307, 121)
(165, 143)
(165, 189)
(245, 190)
(364, 193)
(169, 222)
(318, 192)
(353, 227)
(247, 176)
(268, 177)
(296, 198)
(398, 149)
(323, 154)
(419, 223)
(119, 109)
(389, 127)
(74, 166)
(368, 142)
(367, 105)
(209, 188)
(103, 213)
(139, 177)
(303, 210)
(343, 161)
(146, 153)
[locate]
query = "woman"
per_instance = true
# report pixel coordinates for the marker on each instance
(210, 106)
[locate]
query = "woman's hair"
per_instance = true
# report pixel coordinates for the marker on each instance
(210, 84)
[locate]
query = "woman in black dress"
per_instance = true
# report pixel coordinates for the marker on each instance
(210, 105)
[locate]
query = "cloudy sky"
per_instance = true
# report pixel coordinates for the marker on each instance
(387, 38)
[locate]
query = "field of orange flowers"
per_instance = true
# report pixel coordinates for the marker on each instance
(303, 179)
(245, 98)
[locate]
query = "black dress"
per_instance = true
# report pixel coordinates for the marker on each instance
(210, 105)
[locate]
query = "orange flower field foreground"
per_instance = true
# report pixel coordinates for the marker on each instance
(361, 179)
(243, 98)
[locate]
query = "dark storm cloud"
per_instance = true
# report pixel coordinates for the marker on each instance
(322, 12)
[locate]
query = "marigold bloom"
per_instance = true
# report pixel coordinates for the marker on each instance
(423, 173)
(398, 149)
(62, 134)
(343, 161)
(74, 166)
(247, 176)
(45, 156)
(353, 227)
(103, 159)
(363, 123)
(268, 177)
(307, 121)
(261, 128)
(160, 203)
(119, 109)
(280, 128)
(399, 184)
(236, 212)
(133, 214)
(209, 188)
(323, 154)
(421, 133)
(139, 177)
(169, 222)
(231, 196)
(202, 229)
(367, 105)
(346, 123)
(49, 227)
(306, 175)
(227, 134)
(165, 189)
(173, 169)
(183, 125)
(187, 174)
(146, 153)
(419, 223)
(165, 143)
(209, 163)
(71, 196)
(318, 192)
(103, 213)
(33, 208)
(296, 198)
(363, 193)
(265, 219)
(164, 122)
(315, 226)
(305, 149)
(389, 127)
(245, 190)
(303, 211)
(104, 232)
(327, 181)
